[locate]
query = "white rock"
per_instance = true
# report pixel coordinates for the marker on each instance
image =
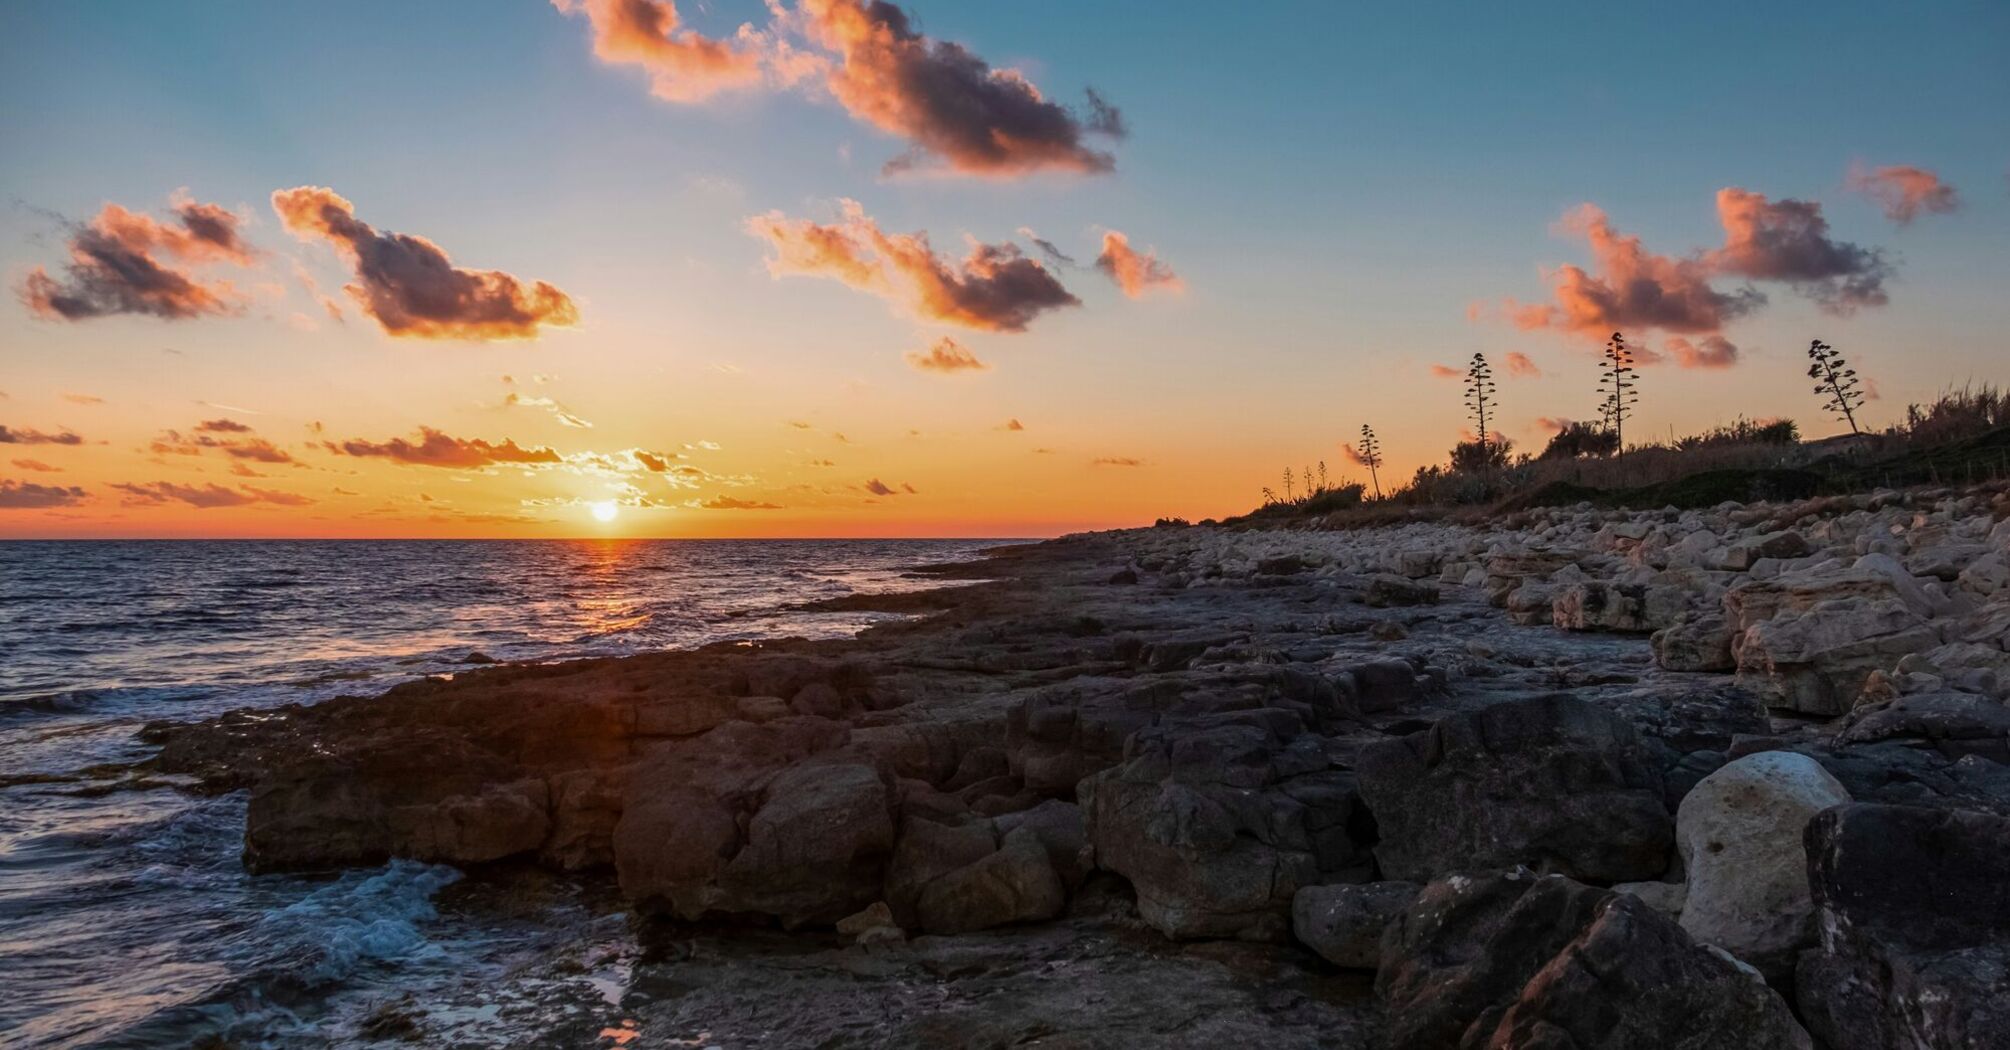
(1739, 831)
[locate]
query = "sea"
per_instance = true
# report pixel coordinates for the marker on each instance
(126, 916)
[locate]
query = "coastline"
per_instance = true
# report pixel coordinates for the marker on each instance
(1184, 785)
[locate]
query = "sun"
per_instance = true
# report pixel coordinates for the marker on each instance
(605, 510)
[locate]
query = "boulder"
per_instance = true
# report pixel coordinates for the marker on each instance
(1595, 605)
(1913, 906)
(1817, 660)
(1551, 782)
(1740, 833)
(1632, 979)
(1344, 923)
(1695, 642)
(1462, 952)
(1740, 556)
(1015, 883)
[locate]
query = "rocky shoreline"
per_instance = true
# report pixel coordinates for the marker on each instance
(1572, 778)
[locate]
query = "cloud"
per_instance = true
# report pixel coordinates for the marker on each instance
(879, 488)
(410, 287)
(683, 65)
(1788, 241)
(10, 436)
(1047, 248)
(26, 495)
(124, 262)
(729, 503)
(1552, 424)
(37, 465)
(83, 399)
(1711, 351)
(1630, 287)
(1445, 372)
(558, 411)
(799, 424)
(996, 288)
(1519, 366)
(946, 356)
(1134, 271)
(238, 442)
(958, 113)
(436, 449)
(207, 496)
(1012, 425)
(1905, 191)
(1116, 461)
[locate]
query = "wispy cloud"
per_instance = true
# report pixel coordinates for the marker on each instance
(206, 496)
(27, 495)
(947, 356)
(25, 436)
(1904, 191)
(1134, 271)
(434, 448)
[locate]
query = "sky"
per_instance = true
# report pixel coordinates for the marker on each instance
(827, 268)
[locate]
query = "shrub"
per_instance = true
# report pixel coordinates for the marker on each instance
(1480, 457)
(1577, 440)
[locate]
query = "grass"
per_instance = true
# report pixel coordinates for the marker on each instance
(1961, 438)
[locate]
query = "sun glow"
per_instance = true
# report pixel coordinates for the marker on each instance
(605, 510)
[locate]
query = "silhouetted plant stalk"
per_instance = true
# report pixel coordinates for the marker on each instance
(1371, 456)
(1836, 381)
(1289, 495)
(1616, 384)
(1480, 393)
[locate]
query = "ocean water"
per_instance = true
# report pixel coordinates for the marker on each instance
(126, 919)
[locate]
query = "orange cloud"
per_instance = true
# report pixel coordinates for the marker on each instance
(996, 288)
(957, 111)
(683, 66)
(1116, 461)
(1552, 424)
(1905, 191)
(1445, 372)
(946, 356)
(241, 446)
(120, 264)
(27, 495)
(1518, 365)
(37, 466)
(729, 503)
(10, 436)
(1630, 287)
(437, 449)
(1134, 271)
(411, 288)
(1711, 351)
(1788, 241)
(206, 496)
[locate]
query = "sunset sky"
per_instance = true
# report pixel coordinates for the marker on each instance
(817, 268)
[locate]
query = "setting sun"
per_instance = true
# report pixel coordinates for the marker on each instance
(605, 510)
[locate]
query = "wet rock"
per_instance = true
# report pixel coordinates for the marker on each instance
(1913, 906)
(1551, 782)
(1344, 923)
(1740, 834)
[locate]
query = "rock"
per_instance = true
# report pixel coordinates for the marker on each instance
(1551, 782)
(875, 916)
(1344, 924)
(927, 851)
(1016, 883)
(1218, 820)
(1462, 952)
(1283, 565)
(1380, 685)
(1741, 555)
(1913, 905)
(1668, 898)
(1058, 826)
(1599, 606)
(775, 819)
(1817, 661)
(1632, 979)
(1123, 577)
(585, 806)
(761, 708)
(1954, 724)
(1532, 603)
(426, 796)
(1739, 832)
(820, 699)
(1695, 642)
(1386, 590)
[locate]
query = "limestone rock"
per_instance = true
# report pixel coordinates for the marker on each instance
(1740, 834)
(1344, 923)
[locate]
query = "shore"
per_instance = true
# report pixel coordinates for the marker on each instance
(1571, 775)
